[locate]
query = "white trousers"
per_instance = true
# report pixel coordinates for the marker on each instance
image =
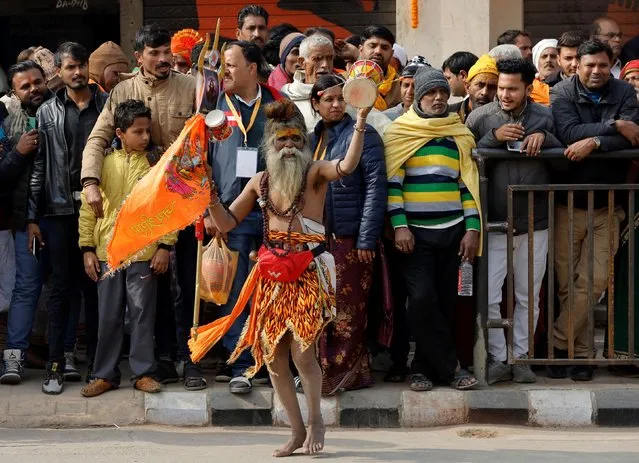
(497, 270)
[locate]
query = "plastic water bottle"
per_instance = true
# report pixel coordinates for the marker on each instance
(465, 279)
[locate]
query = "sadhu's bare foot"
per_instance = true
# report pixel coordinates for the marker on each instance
(314, 438)
(295, 442)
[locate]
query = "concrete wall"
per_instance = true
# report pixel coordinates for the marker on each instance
(447, 26)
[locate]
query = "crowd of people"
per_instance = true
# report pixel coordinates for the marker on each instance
(79, 130)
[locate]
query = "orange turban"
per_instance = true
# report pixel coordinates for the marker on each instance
(183, 41)
(631, 66)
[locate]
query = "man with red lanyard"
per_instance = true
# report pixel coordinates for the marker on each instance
(234, 161)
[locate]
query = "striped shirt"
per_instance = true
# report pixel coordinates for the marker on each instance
(427, 191)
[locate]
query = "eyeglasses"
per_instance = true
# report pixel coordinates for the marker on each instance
(612, 35)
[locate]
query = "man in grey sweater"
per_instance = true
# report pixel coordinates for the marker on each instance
(522, 126)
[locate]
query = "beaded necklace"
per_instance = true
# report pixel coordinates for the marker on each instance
(291, 212)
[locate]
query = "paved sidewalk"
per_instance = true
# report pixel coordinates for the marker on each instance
(607, 401)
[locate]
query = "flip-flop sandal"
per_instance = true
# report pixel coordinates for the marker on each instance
(420, 383)
(463, 380)
(395, 375)
(195, 383)
(193, 380)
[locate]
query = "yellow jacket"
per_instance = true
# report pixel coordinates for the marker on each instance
(120, 173)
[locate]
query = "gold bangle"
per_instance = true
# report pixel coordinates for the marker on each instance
(357, 129)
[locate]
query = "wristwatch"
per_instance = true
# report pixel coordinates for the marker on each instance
(597, 142)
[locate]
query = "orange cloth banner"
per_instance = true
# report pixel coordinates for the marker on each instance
(171, 196)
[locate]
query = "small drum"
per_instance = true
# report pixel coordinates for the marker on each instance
(218, 123)
(360, 92)
(366, 68)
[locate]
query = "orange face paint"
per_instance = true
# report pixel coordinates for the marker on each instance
(288, 133)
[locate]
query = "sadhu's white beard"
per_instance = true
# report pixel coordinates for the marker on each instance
(286, 172)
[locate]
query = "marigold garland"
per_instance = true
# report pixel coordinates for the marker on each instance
(414, 13)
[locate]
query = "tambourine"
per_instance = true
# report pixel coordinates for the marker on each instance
(360, 92)
(368, 69)
(218, 123)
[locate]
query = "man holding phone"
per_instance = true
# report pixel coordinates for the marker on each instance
(29, 92)
(517, 123)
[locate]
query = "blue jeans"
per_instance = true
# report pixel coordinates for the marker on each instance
(242, 239)
(24, 300)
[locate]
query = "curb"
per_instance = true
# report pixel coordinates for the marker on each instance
(393, 408)
(379, 407)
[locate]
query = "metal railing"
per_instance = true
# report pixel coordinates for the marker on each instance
(483, 323)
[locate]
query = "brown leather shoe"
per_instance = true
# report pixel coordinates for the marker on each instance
(97, 387)
(147, 384)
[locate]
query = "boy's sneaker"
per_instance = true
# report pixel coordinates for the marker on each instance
(71, 373)
(523, 373)
(96, 388)
(147, 384)
(498, 371)
(54, 380)
(12, 367)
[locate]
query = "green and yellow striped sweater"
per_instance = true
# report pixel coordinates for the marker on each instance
(427, 191)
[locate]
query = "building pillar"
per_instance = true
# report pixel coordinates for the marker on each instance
(447, 26)
(131, 19)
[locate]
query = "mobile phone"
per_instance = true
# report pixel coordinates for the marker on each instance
(35, 248)
(32, 123)
(514, 145)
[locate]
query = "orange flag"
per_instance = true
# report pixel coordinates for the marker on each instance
(171, 196)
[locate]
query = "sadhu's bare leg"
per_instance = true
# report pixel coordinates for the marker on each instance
(311, 375)
(284, 386)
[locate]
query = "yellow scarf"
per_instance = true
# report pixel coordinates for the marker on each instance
(385, 87)
(410, 132)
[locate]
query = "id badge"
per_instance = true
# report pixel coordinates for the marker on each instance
(246, 162)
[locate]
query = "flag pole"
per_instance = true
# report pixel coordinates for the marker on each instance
(199, 234)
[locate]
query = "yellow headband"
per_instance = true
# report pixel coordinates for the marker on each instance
(288, 133)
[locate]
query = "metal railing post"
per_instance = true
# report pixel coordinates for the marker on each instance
(480, 349)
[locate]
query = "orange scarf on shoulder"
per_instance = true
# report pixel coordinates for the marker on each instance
(384, 88)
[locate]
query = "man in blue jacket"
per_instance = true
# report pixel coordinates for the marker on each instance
(234, 161)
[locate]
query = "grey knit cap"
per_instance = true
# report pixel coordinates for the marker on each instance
(426, 79)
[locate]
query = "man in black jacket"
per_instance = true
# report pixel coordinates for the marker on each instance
(592, 111)
(29, 91)
(65, 123)
(517, 123)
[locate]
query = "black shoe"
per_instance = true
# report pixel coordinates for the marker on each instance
(225, 374)
(262, 377)
(557, 371)
(582, 373)
(165, 372)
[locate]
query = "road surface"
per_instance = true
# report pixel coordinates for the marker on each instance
(465, 444)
